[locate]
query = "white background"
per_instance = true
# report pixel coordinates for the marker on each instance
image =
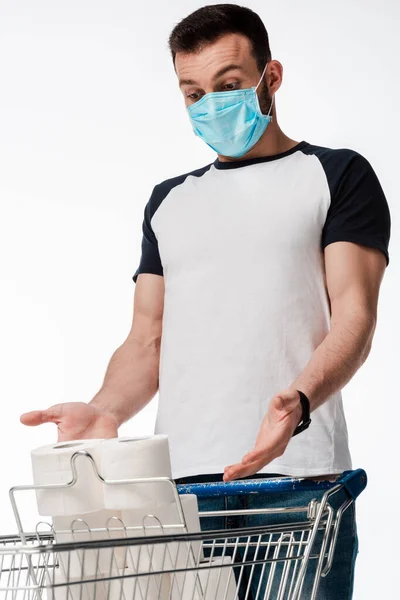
(90, 120)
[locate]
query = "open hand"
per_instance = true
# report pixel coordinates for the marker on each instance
(75, 421)
(277, 427)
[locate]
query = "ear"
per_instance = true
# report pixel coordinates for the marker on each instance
(274, 76)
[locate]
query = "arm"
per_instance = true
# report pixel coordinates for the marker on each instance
(354, 274)
(131, 379)
(355, 240)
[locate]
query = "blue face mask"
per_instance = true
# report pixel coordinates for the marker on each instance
(230, 122)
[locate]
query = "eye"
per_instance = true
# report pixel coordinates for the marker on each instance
(231, 86)
(195, 96)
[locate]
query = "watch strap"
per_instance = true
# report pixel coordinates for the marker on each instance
(305, 417)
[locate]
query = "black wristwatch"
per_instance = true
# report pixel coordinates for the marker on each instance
(305, 417)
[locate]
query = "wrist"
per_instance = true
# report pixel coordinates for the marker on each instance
(305, 419)
(107, 402)
(299, 413)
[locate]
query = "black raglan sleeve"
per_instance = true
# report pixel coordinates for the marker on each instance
(359, 211)
(150, 261)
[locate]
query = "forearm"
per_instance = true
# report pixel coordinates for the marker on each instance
(131, 379)
(338, 357)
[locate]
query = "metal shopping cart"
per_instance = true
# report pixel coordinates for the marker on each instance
(155, 560)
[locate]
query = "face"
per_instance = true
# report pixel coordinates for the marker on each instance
(225, 65)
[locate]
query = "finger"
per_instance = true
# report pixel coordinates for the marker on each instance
(34, 417)
(38, 417)
(228, 475)
(262, 453)
(239, 470)
(238, 473)
(253, 456)
(228, 472)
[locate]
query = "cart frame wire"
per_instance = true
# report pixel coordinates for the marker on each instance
(165, 561)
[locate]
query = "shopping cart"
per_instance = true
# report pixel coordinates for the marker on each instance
(153, 560)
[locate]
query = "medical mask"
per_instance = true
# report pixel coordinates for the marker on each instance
(230, 122)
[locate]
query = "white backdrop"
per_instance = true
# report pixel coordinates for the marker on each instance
(91, 119)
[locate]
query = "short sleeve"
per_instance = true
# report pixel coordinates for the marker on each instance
(358, 211)
(150, 261)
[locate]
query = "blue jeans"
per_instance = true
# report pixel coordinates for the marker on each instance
(337, 585)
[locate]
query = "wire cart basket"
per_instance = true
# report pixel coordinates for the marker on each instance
(163, 561)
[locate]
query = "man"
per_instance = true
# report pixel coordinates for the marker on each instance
(256, 294)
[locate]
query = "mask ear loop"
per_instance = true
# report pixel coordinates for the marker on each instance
(270, 108)
(262, 75)
(273, 97)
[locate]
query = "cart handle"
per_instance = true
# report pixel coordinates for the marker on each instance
(354, 483)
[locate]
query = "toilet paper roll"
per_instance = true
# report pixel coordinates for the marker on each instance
(185, 553)
(160, 520)
(141, 504)
(190, 509)
(104, 524)
(73, 589)
(129, 587)
(51, 464)
(205, 584)
(126, 587)
(145, 557)
(138, 457)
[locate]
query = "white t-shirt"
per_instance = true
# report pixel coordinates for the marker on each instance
(240, 247)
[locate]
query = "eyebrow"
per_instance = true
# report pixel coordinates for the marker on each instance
(216, 76)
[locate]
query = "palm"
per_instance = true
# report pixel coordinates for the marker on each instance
(75, 420)
(276, 429)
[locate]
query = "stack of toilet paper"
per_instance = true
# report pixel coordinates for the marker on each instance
(93, 510)
(214, 580)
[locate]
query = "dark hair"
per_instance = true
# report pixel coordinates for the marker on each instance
(207, 24)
